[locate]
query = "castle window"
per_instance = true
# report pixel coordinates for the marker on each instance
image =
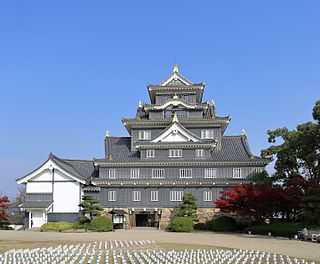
(154, 196)
(257, 170)
(150, 153)
(185, 173)
(134, 173)
(176, 196)
(136, 196)
(111, 196)
(207, 196)
(207, 134)
(144, 135)
(199, 152)
(174, 153)
(112, 173)
(210, 173)
(237, 173)
(157, 173)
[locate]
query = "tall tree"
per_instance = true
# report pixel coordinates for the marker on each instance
(298, 154)
(90, 205)
(310, 204)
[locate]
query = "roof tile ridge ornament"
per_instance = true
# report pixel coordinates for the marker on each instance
(175, 97)
(243, 132)
(175, 118)
(175, 68)
(108, 133)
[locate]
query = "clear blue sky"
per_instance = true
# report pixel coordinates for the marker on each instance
(69, 70)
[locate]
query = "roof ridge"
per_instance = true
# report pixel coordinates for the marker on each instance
(65, 162)
(81, 160)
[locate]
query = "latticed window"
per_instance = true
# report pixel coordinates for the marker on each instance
(112, 173)
(111, 196)
(207, 196)
(134, 173)
(210, 173)
(199, 152)
(257, 170)
(207, 134)
(154, 196)
(185, 173)
(176, 196)
(150, 153)
(144, 135)
(158, 173)
(136, 196)
(237, 173)
(174, 153)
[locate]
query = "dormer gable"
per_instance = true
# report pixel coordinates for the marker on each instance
(175, 78)
(176, 133)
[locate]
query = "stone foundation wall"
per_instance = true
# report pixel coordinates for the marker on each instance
(165, 219)
(206, 214)
(203, 215)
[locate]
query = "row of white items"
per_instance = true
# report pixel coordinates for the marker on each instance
(117, 252)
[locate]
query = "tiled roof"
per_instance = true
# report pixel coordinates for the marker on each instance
(82, 169)
(36, 204)
(233, 149)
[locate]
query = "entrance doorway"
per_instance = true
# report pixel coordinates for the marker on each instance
(145, 220)
(141, 220)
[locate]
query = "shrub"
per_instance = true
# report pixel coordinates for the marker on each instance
(56, 226)
(181, 224)
(283, 229)
(223, 223)
(82, 223)
(200, 226)
(101, 224)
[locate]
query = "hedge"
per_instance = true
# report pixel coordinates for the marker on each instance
(181, 224)
(101, 224)
(56, 226)
(82, 223)
(222, 224)
(283, 229)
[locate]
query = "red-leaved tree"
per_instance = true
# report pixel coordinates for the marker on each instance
(259, 202)
(4, 204)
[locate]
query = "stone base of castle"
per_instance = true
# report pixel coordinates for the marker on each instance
(157, 218)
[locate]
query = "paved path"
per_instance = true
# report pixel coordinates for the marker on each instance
(294, 248)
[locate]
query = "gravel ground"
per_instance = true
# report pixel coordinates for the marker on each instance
(285, 246)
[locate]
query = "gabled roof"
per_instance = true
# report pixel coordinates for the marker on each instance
(176, 82)
(176, 133)
(79, 169)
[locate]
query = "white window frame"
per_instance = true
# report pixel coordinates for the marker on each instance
(176, 196)
(112, 196)
(207, 134)
(134, 173)
(136, 196)
(150, 153)
(210, 173)
(154, 196)
(112, 173)
(237, 173)
(175, 153)
(207, 196)
(144, 135)
(158, 173)
(185, 173)
(200, 153)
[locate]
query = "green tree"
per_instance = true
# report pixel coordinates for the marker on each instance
(188, 208)
(298, 154)
(310, 205)
(90, 206)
